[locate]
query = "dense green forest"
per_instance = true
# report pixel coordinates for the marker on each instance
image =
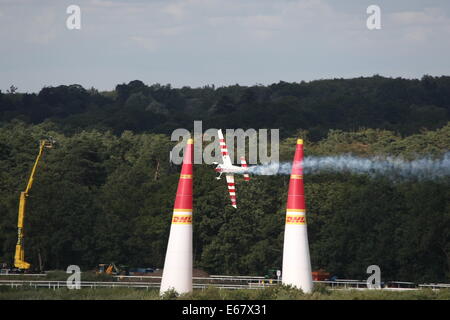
(105, 192)
(399, 105)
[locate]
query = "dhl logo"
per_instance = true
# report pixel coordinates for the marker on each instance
(295, 219)
(182, 219)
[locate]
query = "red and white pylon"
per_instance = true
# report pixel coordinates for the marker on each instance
(296, 258)
(177, 273)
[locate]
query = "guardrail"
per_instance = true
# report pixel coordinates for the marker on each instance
(24, 274)
(211, 279)
(236, 277)
(346, 284)
(435, 285)
(199, 283)
(250, 281)
(84, 284)
(98, 284)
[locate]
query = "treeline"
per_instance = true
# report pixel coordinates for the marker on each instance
(399, 105)
(103, 197)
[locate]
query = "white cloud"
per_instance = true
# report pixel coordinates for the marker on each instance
(176, 10)
(429, 16)
(29, 25)
(150, 44)
(260, 40)
(170, 31)
(417, 27)
(44, 27)
(106, 3)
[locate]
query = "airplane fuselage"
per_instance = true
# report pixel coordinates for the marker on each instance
(230, 169)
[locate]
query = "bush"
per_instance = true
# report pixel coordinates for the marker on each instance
(210, 293)
(170, 294)
(321, 289)
(286, 292)
(213, 293)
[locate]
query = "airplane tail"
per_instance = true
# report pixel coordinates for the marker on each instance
(244, 165)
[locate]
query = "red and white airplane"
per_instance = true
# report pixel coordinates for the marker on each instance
(229, 169)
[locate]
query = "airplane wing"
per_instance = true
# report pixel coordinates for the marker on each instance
(231, 189)
(224, 150)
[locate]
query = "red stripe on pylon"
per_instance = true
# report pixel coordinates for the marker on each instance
(296, 193)
(183, 198)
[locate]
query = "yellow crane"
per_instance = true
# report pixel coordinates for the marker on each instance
(19, 257)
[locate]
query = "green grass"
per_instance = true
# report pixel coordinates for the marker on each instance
(212, 293)
(27, 293)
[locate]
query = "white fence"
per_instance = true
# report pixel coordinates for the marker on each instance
(119, 284)
(219, 281)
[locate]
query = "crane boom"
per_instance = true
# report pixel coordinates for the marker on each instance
(19, 257)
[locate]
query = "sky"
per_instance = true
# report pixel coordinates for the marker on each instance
(222, 42)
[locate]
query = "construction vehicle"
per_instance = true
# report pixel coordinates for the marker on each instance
(112, 269)
(320, 275)
(107, 268)
(19, 257)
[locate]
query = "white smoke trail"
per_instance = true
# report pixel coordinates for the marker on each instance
(422, 168)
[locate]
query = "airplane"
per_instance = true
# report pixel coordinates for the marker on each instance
(229, 169)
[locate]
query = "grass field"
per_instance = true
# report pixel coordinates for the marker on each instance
(272, 293)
